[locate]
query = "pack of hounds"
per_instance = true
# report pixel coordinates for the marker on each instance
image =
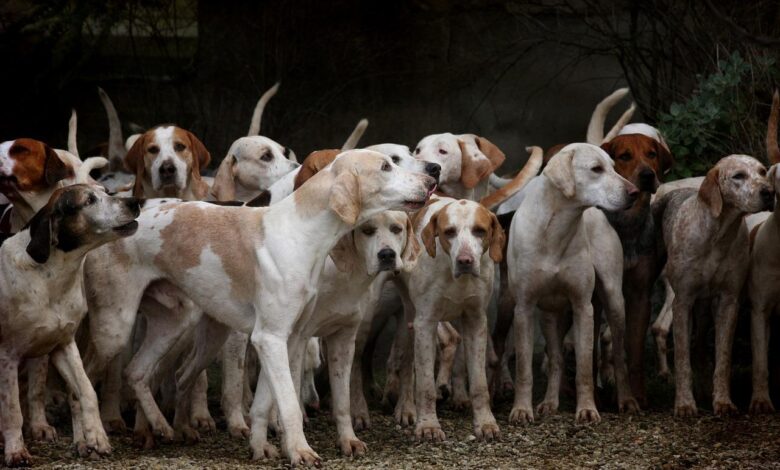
(132, 272)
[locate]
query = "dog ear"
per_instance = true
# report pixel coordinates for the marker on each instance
(312, 165)
(134, 161)
(54, 169)
(664, 157)
(41, 235)
(560, 173)
(344, 254)
(429, 235)
(607, 147)
(412, 248)
(772, 176)
(201, 159)
(345, 197)
(709, 192)
(497, 239)
(473, 168)
(491, 151)
(224, 187)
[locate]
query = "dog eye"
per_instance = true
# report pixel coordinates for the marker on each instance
(396, 229)
(479, 232)
(267, 157)
(625, 157)
(395, 159)
(652, 155)
(417, 151)
(91, 199)
(386, 166)
(179, 147)
(450, 232)
(368, 231)
(762, 172)
(739, 176)
(597, 169)
(442, 151)
(153, 149)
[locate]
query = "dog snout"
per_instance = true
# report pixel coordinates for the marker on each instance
(464, 264)
(430, 183)
(134, 205)
(386, 259)
(632, 192)
(167, 171)
(647, 180)
(433, 170)
(768, 198)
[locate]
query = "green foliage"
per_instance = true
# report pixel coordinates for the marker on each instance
(718, 119)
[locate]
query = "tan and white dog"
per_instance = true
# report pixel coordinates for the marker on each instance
(42, 287)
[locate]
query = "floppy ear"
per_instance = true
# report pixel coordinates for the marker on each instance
(497, 239)
(54, 169)
(709, 192)
(134, 161)
(491, 151)
(202, 158)
(772, 177)
(412, 248)
(345, 197)
(429, 235)
(472, 168)
(560, 173)
(664, 157)
(224, 187)
(344, 254)
(41, 236)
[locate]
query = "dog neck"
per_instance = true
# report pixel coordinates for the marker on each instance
(635, 227)
(716, 229)
(556, 226)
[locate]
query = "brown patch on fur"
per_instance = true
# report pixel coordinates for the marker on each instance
(634, 153)
(772, 149)
(550, 152)
(435, 228)
(491, 151)
(709, 192)
(313, 164)
(230, 232)
(36, 165)
(473, 170)
(495, 240)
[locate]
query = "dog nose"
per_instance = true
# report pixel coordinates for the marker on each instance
(646, 175)
(433, 170)
(167, 170)
(464, 261)
(633, 192)
(386, 255)
(767, 195)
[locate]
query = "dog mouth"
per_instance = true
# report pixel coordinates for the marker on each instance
(126, 229)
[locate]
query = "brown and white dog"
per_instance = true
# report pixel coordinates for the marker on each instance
(42, 287)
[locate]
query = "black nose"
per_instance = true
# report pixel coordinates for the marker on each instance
(647, 175)
(167, 170)
(464, 262)
(767, 195)
(433, 170)
(386, 255)
(134, 204)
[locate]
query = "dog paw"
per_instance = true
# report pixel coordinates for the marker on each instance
(405, 415)
(115, 426)
(761, 405)
(429, 431)
(265, 451)
(460, 403)
(203, 422)
(587, 416)
(352, 447)
(629, 406)
(238, 429)
(144, 439)
(443, 392)
(685, 410)
(163, 431)
(187, 434)
(520, 415)
(361, 422)
(547, 407)
(305, 456)
(42, 432)
(19, 458)
(487, 431)
(95, 443)
(724, 408)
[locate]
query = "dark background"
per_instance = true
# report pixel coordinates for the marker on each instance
(520, 73)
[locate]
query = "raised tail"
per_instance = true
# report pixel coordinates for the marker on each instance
(596, 126)
(257, 115)
(356, 134)
(525, 175)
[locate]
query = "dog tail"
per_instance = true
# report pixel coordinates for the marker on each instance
(257, 116)
(355, 136)
(498, 182)
(91, 163)
(116, 144)
(620, 123)
(525, 175)
(596, 126)
(772, 149)
(72, 126)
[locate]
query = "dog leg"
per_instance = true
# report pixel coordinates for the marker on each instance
(111, 397)
(475, 339)
(361, 418)
(341, 349)
(448, 339)
(522, 408)
(233, 368)
(200, 417)
(684, 403)
(261, 409)
(583, 352)
(553, 348)
(759, 328)
(428, 426)
(37, 371)
(637, 286)
(725, 325)
(68, 363)
(395, 363)
(16, 454)
(460, 396)
(614, 306)
(661, 327)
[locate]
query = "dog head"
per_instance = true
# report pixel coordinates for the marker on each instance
(367, 182)
(464, 159)
(253, 162)
(740, 182)
(402, 156)
(385, 242)
(166, 161)
(80, 217)
(585, 173)
(466, 231)
(640, 159)
(28, 168)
